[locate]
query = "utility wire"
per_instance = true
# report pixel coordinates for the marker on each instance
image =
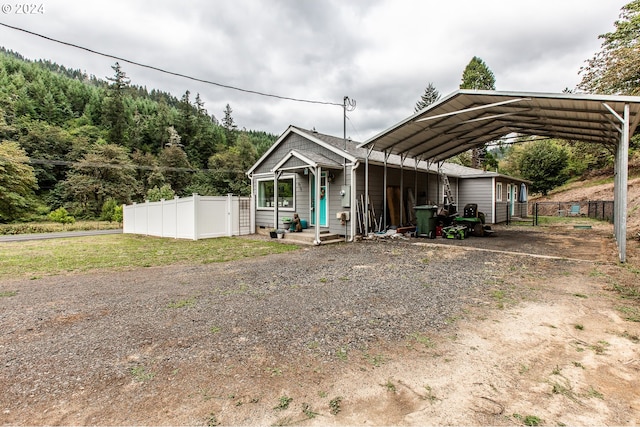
(151, 67)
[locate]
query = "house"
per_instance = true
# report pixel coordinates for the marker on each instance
(325, 179)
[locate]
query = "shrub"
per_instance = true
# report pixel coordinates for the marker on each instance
(62, 216)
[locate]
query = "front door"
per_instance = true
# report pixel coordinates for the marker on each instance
(323, 200)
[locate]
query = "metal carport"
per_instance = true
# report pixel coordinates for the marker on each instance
(470, 118)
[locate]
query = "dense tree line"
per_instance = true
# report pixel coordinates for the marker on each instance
(82, 142)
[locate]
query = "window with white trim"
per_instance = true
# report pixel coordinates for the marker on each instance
(508, 192)
(498, 192)
(286, 193)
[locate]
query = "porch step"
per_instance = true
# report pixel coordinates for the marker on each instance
(308, 236)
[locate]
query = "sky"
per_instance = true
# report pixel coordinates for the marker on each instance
(380, 53)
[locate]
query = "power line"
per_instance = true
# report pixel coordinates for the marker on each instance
(173, 73)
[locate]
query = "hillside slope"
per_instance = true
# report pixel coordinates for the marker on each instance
(594, 189)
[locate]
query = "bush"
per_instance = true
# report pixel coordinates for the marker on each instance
(111, 211)
(62, 216)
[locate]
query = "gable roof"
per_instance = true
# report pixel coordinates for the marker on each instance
(469, 118)
(354, 151)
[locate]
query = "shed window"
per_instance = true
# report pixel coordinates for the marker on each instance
(499, 192)
(286, 193)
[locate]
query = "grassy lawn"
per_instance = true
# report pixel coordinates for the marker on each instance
(37, 258)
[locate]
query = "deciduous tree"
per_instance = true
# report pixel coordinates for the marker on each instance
(615, 69)
(17, 182)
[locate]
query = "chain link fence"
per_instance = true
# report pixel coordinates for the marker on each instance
(596, 209)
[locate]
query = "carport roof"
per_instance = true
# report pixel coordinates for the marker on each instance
(469, 118)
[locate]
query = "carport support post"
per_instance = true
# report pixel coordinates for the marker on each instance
(317, 204)
(621, 170)
(384, 190)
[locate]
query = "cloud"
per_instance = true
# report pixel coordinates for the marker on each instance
(382, 53)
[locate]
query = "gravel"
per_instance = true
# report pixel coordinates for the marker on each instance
(65, 335)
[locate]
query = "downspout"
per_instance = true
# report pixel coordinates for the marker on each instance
(353, 200)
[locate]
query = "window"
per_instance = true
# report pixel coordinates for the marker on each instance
(499, 192)
(508, 192)
(286, 193)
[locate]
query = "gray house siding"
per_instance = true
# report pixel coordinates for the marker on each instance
(477, 190)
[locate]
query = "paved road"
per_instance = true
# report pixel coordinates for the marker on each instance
(62, 234)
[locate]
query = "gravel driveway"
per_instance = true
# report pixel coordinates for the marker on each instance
(109, 347)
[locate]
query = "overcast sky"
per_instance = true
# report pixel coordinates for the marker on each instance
(382, 53)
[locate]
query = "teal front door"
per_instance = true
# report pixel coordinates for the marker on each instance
(323, 200)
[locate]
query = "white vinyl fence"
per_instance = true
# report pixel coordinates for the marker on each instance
(195, 217)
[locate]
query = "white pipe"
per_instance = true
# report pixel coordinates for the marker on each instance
(353, 200)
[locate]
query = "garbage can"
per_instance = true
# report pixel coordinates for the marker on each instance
(426, 221)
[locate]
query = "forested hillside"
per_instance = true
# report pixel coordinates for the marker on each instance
(80, 142)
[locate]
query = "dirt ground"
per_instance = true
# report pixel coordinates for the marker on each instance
(542, 339)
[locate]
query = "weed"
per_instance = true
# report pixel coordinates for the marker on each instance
(306, 409)
(283, 403)
(580, 295)
(182, 303)
(206, 393)
(631, 314)
(422, 339)
(429, 395)
(140, 373)
(523, 369)
(600, 347)
(578, 365)
(313, 345)
(344, 278)
(275, 372)
(633, 338)
(627, 291)
(558, 388)
(528, 420)
(556, 371)
(212, 420)
(391, 387)
(376, 360)
(214, 329)
(342, 354)
(592, 392)
(322, 394)
(335, 405)
(578, 326)
(8, 294)
(425, 260)
(499, 296)
(323, 280)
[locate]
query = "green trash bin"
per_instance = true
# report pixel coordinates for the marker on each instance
(426, 219)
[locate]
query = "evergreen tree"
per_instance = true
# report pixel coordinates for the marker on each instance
(230, 128)
(115, 111)
(429, 96)
(477, 75)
